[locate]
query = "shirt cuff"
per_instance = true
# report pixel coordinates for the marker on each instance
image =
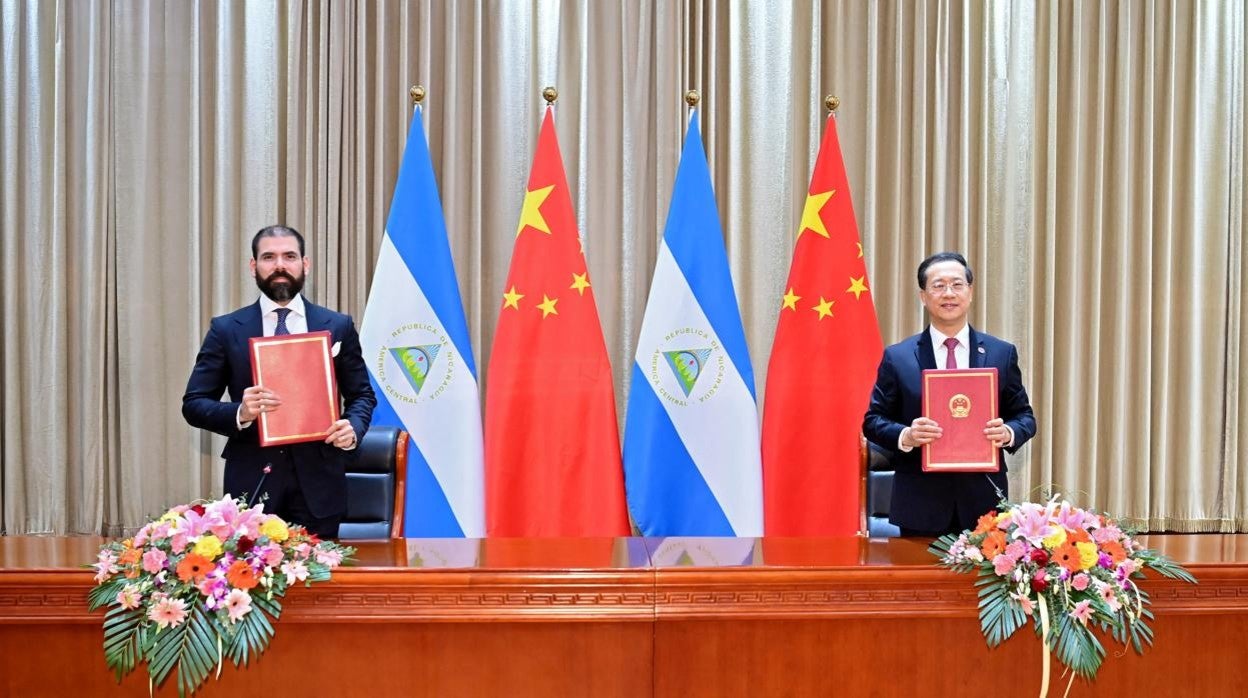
(238, 419)
(901, 441)
(1010, 443)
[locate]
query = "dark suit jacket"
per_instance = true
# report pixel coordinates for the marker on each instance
(224, 365)
(927, 501)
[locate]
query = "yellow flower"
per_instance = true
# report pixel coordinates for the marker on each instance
(1088, 555)
(1003, 517)
(275, 529)
(1054, 541)
(208, 546)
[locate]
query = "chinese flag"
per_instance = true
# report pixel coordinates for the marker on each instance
(552, 443)
(823, 366)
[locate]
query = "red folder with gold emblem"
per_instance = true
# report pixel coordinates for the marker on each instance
(962, 401)
(299, 369)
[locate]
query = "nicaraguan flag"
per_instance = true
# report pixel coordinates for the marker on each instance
(692, 465)
(415, 342)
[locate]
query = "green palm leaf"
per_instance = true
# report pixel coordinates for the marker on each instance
(1168, 568)
(999, 615)
(104, 594)
(1077, 647)
(122, 635)
(253, 631)
(191, 647)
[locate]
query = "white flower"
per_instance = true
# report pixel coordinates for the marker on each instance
(295, 571)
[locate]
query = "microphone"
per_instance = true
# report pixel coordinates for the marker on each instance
(268, 468)
(1000, 494)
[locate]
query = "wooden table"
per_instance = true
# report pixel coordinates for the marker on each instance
(635, 617)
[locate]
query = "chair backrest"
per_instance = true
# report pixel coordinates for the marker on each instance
(877, 491)
(375, 486)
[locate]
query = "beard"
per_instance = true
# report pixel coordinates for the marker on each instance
(279, 286)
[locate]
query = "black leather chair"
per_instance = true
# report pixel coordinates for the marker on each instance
(375, 483)
(877, 477)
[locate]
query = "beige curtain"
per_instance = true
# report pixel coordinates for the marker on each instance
(1086, 156)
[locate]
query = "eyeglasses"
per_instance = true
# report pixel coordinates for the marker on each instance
(938, 288)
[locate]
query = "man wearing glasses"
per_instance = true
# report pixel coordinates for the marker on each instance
(932, 504)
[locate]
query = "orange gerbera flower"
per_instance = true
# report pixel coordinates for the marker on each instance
(194, 567)
(993, 545)
(241, 576)
(129, 556)
(987, 522)
(1067, 555)
(1114, 550)
(1079, 535)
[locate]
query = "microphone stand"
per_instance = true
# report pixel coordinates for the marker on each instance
(268, 468)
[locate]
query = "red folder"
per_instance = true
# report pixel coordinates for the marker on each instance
(299, 369)
(961, 401)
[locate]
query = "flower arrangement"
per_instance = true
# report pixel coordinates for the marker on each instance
(1070, 570)
(202, 583)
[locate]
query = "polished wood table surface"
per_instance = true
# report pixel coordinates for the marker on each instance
(636, 617)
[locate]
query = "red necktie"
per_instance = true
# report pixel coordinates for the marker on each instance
(951, 359)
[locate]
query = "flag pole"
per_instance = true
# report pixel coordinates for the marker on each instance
(691, 98)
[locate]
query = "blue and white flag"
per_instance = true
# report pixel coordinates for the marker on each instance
(415, 342)
(692, 464)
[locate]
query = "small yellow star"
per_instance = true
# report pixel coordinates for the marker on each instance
(857, 286)
(860, 250)
(547, 306)
(810, 214)
(531, 214)
(824, 308)
(580, 282)
(790, 300)
(511, 299)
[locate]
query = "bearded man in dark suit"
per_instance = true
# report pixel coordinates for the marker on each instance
(307, 483)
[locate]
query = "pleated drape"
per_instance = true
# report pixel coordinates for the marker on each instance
(1086, 156)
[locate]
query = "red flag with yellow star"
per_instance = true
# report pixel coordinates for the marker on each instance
(822, 368)
(552, 443)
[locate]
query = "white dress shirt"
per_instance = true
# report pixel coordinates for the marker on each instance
(296, 319)
(961, 355)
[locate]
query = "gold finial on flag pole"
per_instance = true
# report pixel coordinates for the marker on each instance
(550, 94)
(417, 93)
(831, 102)
(692, 98)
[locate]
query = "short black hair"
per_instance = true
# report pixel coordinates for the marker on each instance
(275, 231)
(944, 257)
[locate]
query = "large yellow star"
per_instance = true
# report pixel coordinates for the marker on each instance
(511, 299)
(580, 282)
(810, 215)
(531, 215)
(857, 286)
(824, 308)
(790, 300)
(547, 306)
